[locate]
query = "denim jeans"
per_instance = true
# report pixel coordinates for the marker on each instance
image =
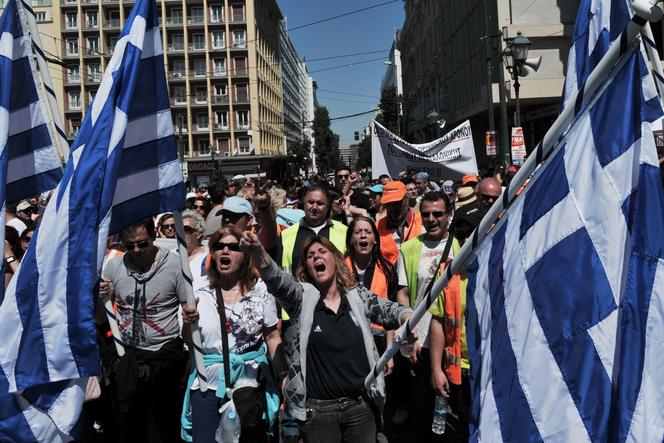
(350, 420)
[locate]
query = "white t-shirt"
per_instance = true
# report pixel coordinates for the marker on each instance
(431, 252)
(197, 266)
(248, 317)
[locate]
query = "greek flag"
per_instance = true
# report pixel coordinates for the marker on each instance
(29, 159)
(123, 167)
(566, 297)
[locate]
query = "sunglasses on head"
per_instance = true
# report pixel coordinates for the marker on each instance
(140, 244)
(436, 214)
(234, 247)
(189, 230)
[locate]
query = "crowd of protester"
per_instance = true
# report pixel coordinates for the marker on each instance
(299, 287)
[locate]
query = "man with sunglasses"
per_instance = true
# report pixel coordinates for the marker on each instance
(24, 211)
(148, 288)
(420, 261)
(490, 191)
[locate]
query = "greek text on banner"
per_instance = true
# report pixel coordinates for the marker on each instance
(449, 157)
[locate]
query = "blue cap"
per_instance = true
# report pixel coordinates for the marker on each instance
(376, 189)
(238, 205)
(422, 176)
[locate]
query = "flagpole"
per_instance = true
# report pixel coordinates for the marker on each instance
(191, 302)
(612, 62)
(113, 323)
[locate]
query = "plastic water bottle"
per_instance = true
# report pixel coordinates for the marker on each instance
(229, 425)
(439, 415)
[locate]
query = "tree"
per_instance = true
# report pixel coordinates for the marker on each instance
(326, 142)
(389, 109)
(299, 154)
(364, 153)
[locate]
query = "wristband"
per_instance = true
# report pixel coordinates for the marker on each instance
(9, 260)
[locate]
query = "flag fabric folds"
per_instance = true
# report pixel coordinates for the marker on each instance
(29, 160)
(566, 297)
(123, 167)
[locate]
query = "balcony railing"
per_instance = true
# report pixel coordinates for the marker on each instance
(71, 54)
(176, 48)
(219, 73)
(214, 19)
(220, 99)
(73, 79)
(94, 77)
(71, 26)
(92, 52)
(112, 23)
(195, 21)
(109, 1)
(235, 18)
(176, 74)
(91, 25)
(200, 101)
(90, 2)
(197, 47)
(173, 21)
(74, 107)
(243, 126)
(221, 127)
(178, 101)
(42, 3)
(240, 44)
(240, 72)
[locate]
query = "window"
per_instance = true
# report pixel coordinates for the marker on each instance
(220, 90)
(201, 121)
(73, 74)
(177, 69)
(198, 41)
(222, 119)
(244, 145)
(92, 45)
(241, 93)
(41, 16)
(201, 96)
(242, 119)
(94, 72)
(223, 146)
(196, 15)
(239, 40)
(218, 66)
(74, 126)
(176, 16)
(218, 40)
(203, 147)
(74, 99)
(91, 96)
(237, 12)
(177, 42)
(72, 46)
(216, 14)
(113, 41)
(91, 19)
(199, 68)
(71, 20)
(240, 65)
(180, 94)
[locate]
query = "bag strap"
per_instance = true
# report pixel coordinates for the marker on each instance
(225, 330)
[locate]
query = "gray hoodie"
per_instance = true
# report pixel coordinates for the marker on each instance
(147, 302)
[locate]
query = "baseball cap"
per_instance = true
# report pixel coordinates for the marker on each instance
(448, 186)
(237, 205)
(376, 189)
(393, 191)
(190, 195)
(465, 196)
(23, 206)
(422, 176)
(466, 180)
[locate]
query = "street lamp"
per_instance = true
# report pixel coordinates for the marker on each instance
(435, 120)
(519, 65)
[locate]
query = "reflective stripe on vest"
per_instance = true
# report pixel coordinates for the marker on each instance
(451, 304)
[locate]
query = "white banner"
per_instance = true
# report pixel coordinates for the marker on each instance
(450, 157)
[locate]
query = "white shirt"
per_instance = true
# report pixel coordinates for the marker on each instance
(431, 252)
(248, 317)
(197, 266)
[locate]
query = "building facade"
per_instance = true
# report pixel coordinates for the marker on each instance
(295, 82)
(444, 55)
(222, 61)
(393, 77)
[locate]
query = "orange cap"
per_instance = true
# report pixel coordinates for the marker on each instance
(466, 180)
(393, 191)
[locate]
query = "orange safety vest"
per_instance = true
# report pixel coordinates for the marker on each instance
(378, 283)
(388, 247)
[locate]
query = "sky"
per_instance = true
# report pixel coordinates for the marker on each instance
(366, 31)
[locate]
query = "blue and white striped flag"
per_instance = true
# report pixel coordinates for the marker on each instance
(566, 298)
(123, 167)
(29, 159)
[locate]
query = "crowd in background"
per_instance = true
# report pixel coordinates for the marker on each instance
(300, 285)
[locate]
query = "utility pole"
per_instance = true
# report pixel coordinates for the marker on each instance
(505, 146)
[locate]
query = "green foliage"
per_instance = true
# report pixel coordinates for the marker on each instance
(299, 154)
(326, 142)
(389, 109)
(364, 153)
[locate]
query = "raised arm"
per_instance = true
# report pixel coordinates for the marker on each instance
(279, 283)
(388, 314)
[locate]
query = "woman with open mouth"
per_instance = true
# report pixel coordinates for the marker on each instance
(331, 349)
(238, 321)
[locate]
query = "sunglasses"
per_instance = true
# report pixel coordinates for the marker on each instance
(233, 247)
(489, 198)
(343, 176)
(26, 239)
(140, 244)
(189, 230)
(169, 227)
(436, 214)
(198, 206)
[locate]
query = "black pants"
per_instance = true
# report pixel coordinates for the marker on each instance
(348, 420)
(422, 400)
(456, 427)
(150, 410)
